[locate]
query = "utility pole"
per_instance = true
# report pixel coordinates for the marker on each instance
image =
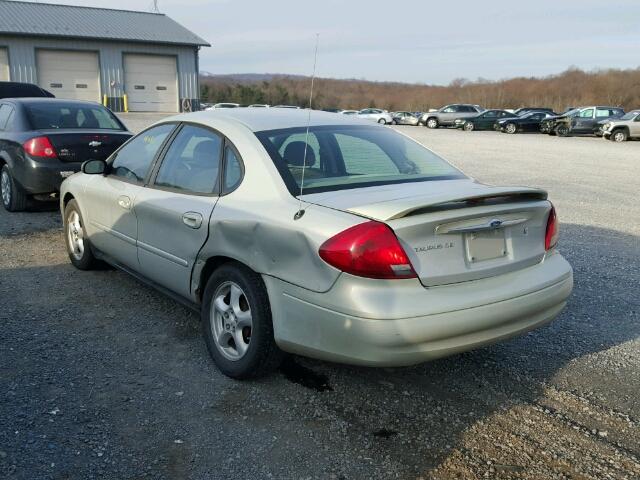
(154, 7)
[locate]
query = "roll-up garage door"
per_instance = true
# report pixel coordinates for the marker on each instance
(67, 74)
(151, 83)
(4, 65)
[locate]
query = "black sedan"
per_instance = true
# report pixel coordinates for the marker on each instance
(481, 121)
(529, 122)
(44, 140)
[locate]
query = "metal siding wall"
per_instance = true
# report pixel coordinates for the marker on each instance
(22, 61)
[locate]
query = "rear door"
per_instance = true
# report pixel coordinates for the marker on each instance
(532, 123)
(449, 114)
(110, 200)
(173, 214)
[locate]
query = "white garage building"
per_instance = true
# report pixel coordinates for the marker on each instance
(139, 61)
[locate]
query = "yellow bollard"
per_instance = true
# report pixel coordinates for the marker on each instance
(104, 100)
(126, 103)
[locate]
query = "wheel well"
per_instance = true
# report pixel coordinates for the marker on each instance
(621, 127)
(211, 265)
(67, 198)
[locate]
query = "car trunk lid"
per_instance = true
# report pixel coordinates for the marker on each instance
(78, 146)
(457, 230)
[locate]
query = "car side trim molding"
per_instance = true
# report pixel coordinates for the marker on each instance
(163, 254)
(119, 235)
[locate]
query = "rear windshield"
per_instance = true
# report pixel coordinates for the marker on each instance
(72, 116)
(351, 156)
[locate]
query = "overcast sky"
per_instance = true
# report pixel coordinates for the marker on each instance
(405, 40)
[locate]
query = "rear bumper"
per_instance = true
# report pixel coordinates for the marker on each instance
(43, 177)
(408, 324)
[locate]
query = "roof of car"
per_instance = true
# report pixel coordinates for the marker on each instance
(45, 100)
(259, 119)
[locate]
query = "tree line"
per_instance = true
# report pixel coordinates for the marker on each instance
(573, 87)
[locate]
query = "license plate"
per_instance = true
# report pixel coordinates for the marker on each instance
(486, 245)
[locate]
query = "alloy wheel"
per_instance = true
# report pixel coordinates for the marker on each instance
(511, 128)
(432, 123)
(231, 321)
(619, 137)
(75, 234)
(5, 187)
(468, 126)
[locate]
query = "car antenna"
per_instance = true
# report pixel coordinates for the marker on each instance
(300, 211)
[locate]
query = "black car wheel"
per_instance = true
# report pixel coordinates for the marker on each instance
(14, 198)
(511, 128)
(562, 130)
(394, 122)
(237, 325)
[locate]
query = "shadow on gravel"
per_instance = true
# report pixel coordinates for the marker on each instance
(102, 376)
(43, 219)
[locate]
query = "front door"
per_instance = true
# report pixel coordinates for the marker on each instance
(584, 121)
(173, 214)
(111, 199)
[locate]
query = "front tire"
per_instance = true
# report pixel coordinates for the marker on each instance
(469, 127)
(237, 324)
(382, 121)
(432, 123)
(619, 136)
(393, 122)
(511, 128)
(14, 198)
(562, 131)
(78, 245)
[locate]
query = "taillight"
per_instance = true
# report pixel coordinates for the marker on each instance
(370, 250)
(40, 147)
(552, 233)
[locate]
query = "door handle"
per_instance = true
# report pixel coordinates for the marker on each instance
(192, 219)
(124, 202)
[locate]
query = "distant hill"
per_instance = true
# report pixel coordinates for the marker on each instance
(570, 88)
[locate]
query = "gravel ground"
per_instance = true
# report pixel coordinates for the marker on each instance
(102, 377)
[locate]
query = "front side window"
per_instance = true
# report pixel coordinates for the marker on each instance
(491, 114)
(450, 109)
(192, 162)
(354, 156)
(588, 113)
(133, 160)
(71, 115)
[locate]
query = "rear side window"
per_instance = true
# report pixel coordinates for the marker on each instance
(133, 160)
(43, 116)
(232, 170)
(604, 113)
(192, 162)
(5, 113)
(353, 156)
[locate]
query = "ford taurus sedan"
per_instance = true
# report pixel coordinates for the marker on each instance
(337, 239)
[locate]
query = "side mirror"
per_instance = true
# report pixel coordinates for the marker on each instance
(94, 167)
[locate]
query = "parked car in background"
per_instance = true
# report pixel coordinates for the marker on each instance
(349, 112)
(623, 128)
(447, 115)
(376, 114)
(22, 90)
(295, 107)
(522, 111)
(481, 121)
(400, 259)
(223, 105)
(258, 105)
(332, 110)
(580, 121)
(45, 140)
(404, 118)
(527, 122)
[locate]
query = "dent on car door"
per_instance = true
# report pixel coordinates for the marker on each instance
(173, 215)
(110, 200)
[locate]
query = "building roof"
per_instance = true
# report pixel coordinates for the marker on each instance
(45, 19)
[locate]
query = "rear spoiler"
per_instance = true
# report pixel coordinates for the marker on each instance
(404, 207)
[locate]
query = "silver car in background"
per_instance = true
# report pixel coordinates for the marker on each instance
(376, 114)
(334, 239)
(404, 118)
(447, 115)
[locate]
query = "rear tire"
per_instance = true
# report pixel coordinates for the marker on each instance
(235, 308)
(382, 121)
(432, 123)
(511, 128)
(14, 198)
(469, 127)
(619, 136)
(76, 239)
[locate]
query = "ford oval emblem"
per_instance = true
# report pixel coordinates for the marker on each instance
(495, 223)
